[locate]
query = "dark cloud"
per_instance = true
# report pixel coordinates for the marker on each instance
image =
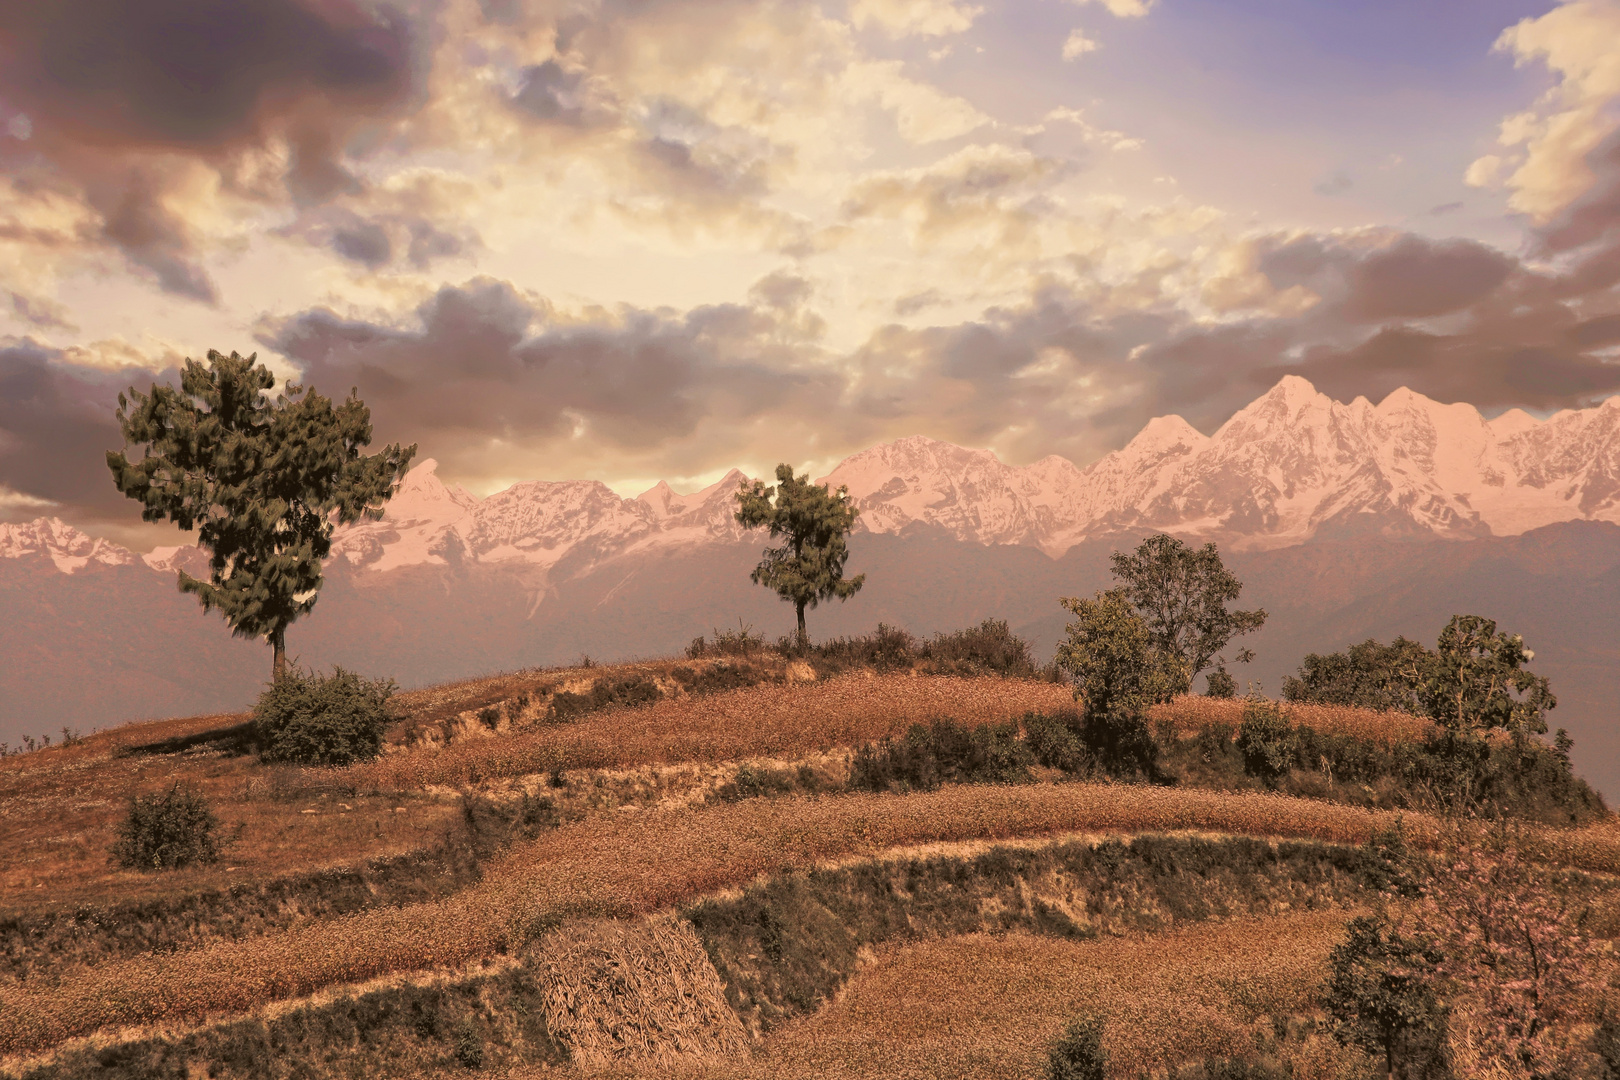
(156, 239)
(1337, 184)
(363, 242)
(56, 424)
(1404, 277)
(192, 74)
(1445, 208)
(552, 94)
(39, 311)
(109, 84)
(485, 363)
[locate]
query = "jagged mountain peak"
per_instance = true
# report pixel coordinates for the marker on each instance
(70, 549)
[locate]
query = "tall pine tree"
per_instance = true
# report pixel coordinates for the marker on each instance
(809, 567)
(259, 479)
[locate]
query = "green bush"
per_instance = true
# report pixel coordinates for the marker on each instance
(943, 752)
(310, 719)
(1220, 684)
(888, 648)
(167, 832)
(1078, 1053)
(1266, 740)
(1052, 739)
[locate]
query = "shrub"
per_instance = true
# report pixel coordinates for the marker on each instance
(943, 752)
(1380, 998)
(884, 649)
(989, 647)
(1266, 740)
(1078, 1053)
(310, 719)
(1051, 738)
(1220, 684)
(632, 689)
(167, 832)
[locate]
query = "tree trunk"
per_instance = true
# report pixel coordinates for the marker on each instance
(278, 666)
(804, 638)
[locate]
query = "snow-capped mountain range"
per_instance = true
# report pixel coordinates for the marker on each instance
(1282, 470)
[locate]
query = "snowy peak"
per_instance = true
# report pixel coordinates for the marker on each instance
(1291, 465)
(66, 547)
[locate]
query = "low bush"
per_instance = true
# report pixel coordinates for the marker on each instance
(887, 648)
(752, 783)
(943, 752)
(1078, 1053)
(634, 688)
(738, 642)
(989, 648)
(1266, 740)
(310, 719)
(725, 675)
(167, 832)
(1051, 738)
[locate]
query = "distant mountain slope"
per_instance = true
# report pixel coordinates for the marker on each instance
(119, 642)
(1346, 521)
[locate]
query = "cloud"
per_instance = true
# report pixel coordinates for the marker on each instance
(1124, 9)
(560, 395)
(124, 104)
(56, 425)
(907, 18)
(1337, 184)
(1543, 157)
(1077, 45)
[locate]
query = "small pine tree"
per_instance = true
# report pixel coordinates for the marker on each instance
(167, 832)
(809, 568)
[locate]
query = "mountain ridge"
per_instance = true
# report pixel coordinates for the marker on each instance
(1284, 468)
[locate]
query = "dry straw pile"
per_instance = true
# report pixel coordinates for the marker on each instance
(636, 992)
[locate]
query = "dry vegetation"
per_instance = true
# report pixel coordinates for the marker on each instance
(761, 721)
(1187, 715)
(644, 832)
(1167, 998)
(635, 863)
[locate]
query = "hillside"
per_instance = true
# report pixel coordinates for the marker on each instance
(538, 877)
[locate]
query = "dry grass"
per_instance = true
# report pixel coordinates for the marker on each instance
(631, 864)
(641, 992)
(1190, 713)
(987, 1006)
(763, 721)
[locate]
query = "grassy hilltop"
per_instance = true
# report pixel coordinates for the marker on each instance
(874, 858)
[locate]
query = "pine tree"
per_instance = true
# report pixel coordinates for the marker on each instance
(809, 568)
(259, 479)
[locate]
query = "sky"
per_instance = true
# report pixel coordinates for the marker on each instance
(631, 240)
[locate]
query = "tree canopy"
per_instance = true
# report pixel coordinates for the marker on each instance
(1181, 595)
(260, 480)
(809, 567)
(1473, 681)
(1370, 675)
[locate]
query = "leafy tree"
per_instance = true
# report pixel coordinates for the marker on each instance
(1181, 594)
(1474, 682)
(259, 480)
(1368, 675)
(1380, 996)
(1515, 965)
(1117, 672)
(809, 567)
(1220, 684)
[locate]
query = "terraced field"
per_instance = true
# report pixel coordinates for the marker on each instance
(513, 889)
